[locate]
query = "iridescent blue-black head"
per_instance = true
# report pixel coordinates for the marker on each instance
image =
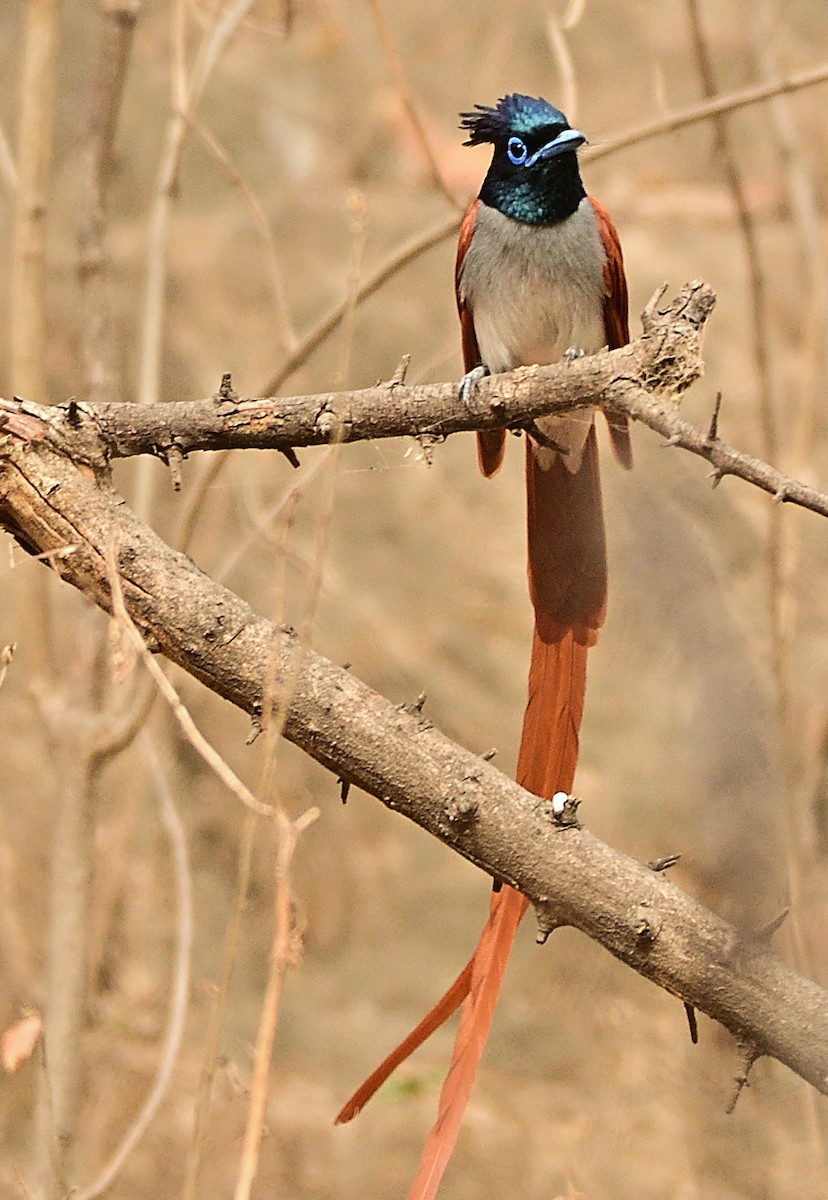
(533, 176)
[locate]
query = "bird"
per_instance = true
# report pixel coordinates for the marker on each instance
(539, 278)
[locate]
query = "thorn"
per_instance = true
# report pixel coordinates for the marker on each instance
(648, 925)
(344, 789)
(546, 925)
(748, 1054)
(73, 415)
(427, 443)
(346, 666)
(417, 706)
(692, 1023)
(398, 378)
(226, 390)
(713, 431)
(489, 755)
(290, 455)
(174, 458)
(663, 864)
(675, 440)
(765, 932)
(781, 494)
(537, 435)
(715, 477)
(255, 729)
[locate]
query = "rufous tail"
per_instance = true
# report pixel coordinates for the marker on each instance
(567, 580)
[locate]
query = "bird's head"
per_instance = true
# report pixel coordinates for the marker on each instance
(533, 176)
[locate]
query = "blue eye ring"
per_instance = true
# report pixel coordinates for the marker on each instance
(517, 151)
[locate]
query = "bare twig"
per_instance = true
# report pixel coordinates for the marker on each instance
(180, 985)
(6, 656)
(188, 726)
(98, 342)
(287, 335)
(218, 1010)
(407, 102)
(187, 94)
(731, 102)
(283, 954)
(8, 167)
(34, 156)
(27, 303)
(556, 35)
(66, 972)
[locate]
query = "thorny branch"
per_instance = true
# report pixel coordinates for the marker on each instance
(57, 507)
(644, 380)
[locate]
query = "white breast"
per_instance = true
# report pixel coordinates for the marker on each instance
(535, 292)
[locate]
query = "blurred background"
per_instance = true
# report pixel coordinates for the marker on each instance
(299, 175)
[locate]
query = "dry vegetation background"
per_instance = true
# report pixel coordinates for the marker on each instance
(705, 728)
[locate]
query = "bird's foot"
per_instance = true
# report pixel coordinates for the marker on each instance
(572, 353)
(470, 381)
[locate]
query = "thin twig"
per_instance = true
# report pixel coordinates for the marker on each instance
(760, 344)
(556, 36)
(218, 1009)
(98, 342)
(27, 296)
(283, 955)
(180, 985)
(8, 167)
(187, 92)
(287, 334)
(731, 102)
(188, 726)
(407, 101)
(38, 82)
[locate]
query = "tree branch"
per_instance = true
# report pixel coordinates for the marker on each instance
(644, 380)
(57, 509)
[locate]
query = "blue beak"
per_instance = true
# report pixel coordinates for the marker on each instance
(569, 139)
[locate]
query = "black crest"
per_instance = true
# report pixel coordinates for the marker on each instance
(514, 114)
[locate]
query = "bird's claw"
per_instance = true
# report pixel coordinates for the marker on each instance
(470, 381)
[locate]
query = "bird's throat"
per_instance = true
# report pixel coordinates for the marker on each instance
(547, 193)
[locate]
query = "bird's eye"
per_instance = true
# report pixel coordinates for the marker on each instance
(517, 152)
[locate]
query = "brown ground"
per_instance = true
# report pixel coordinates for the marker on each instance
(590, 1086)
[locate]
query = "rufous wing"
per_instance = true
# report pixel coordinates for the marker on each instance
(491, 444)
(616, 321)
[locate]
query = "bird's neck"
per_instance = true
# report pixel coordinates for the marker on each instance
(551, 193)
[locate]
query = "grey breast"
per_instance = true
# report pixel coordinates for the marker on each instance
(535, 291)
